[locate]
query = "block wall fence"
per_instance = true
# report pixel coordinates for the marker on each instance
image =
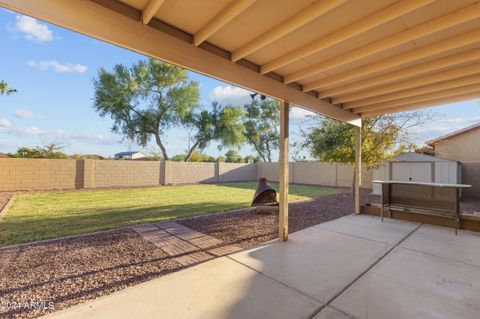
(18, 174)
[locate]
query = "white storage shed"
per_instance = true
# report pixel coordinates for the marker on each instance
(418, 168)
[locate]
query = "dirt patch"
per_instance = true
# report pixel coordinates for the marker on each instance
(74, 270)
(4, 198)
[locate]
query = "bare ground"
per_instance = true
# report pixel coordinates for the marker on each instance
(4, 198)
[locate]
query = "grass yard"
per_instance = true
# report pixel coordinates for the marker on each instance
(48, 215)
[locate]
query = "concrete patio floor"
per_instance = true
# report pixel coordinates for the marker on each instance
(352, 267)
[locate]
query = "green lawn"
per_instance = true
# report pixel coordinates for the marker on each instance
(49, 215)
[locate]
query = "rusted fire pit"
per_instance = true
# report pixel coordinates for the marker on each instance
(265, 198)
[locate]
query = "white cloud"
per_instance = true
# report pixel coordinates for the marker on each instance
(61, 135)
(446, 125)
(5, 123)
(57, 66)
(297, 113)
(30, 131)
(230, 95)
(25, 114)
(32, 29)
(94, 138)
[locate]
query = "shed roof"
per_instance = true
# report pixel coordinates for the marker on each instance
(344, 59)
(416, 157)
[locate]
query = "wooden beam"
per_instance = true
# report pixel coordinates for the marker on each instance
(442, 23)
(150, 10)
(97, 21)
(436, 87)
(419, 69)
(415, 106)
(291, 24)
(283, 205)
(421, 98)
(408, 84)
(222, 18)
(378, 18)
(358, 168)
(403, 58)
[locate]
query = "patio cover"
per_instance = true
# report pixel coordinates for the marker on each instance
(344, 59)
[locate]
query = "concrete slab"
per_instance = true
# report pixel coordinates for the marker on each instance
(314, 261)
(329, 313)
(408, 284)
(442, 242)
(391, 231)
(220, 288)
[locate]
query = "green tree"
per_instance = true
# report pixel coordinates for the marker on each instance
(262, 127)
(232, 156)
(251, 159)
(333, 141)
(194, 157)
(223, 124)
(178, 158)
(49, 150)
(145, 100)
(149, 98)
(5, 89)
(221, 159)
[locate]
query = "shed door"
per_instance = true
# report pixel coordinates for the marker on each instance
(401, 172)
(413, 172)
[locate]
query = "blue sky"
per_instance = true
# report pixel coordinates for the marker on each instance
(53, 68)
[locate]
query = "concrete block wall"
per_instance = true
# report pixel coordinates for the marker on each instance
(188, 173)
(45, 174)
(111, 173)
(235, 172)
(316, 173)
(21, 174)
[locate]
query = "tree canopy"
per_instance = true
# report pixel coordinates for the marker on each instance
(49, 150)
(333, 141)
(145, 100)
(233, 156)
(262, 122)
(223, 124)
(5, 89)
(150, 97)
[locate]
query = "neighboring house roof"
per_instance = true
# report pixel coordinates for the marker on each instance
(128, 153)
(450, 135)
(3, 155)
(427, 150)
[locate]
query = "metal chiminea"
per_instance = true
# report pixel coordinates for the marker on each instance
(265, 195)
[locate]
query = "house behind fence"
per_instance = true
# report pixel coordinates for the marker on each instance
(20, 174)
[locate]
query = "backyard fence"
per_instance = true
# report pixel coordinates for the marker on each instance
(17, 174)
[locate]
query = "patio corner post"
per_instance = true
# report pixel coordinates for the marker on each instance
(283, 176)
(358, 168)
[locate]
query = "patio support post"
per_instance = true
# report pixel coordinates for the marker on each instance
(358, 168)
(283, 176)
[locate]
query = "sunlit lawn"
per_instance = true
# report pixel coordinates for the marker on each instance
(49, 215)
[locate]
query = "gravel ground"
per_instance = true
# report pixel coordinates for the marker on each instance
(248, 229)
(74, 270)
